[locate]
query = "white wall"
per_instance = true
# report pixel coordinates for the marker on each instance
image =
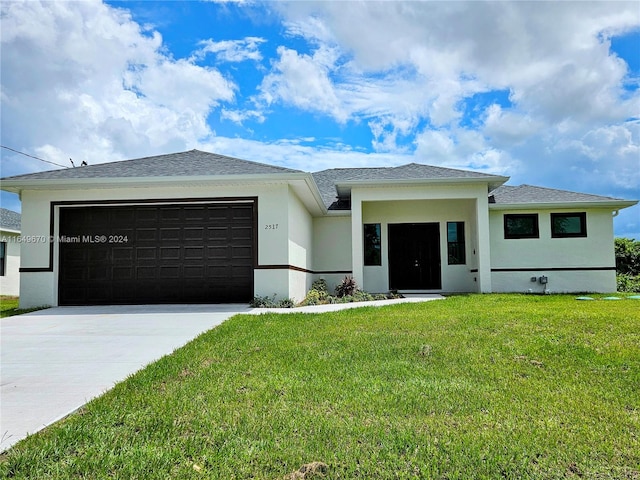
(575, 255)
(10, 282)
(300, 246)
(332, 248)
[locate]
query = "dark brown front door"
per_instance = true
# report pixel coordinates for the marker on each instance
(414, 256)
(149, 254)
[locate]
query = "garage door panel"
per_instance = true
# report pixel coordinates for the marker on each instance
(169, 271)
(170, 253)
(146, 253)
(194, 253)
(146, 235)
(98, 254)
(122, 254)
(194, 234)
(122, 273)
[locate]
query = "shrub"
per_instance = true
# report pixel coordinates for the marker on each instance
(320, 285)
(347, 287)
(270, 302)
(627, 256)
(312, 298)
(627, 265)
(628, 283)
(286, 303)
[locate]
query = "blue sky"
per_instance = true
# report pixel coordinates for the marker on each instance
(544, 92)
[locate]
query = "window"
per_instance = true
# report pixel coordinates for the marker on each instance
(455, 243)
(523, 225)
(3, 259)
(568, 225)
(372, 255)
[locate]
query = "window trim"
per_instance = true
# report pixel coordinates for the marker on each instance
(3, 259)
(583, 225)
(462, 245)
(365, 259)
(536, 225)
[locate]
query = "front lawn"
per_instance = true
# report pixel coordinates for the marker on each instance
(480, 386)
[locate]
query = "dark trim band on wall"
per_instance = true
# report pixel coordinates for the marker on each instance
(34, 269)
(553, 269)
(282, 267)
(303, 270)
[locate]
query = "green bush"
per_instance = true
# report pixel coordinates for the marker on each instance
(313, 298)
(271, 302)
(627, 265)
(628, 283)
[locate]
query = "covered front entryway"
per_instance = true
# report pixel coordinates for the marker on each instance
(155, 254)
(414, 256)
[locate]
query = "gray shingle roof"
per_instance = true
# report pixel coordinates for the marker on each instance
(9, 219)
(327, 179)
(191, 163)
(524, 194)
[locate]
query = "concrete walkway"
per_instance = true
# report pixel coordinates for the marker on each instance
(54, 361)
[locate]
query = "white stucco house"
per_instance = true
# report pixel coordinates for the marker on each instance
(197, 227)
(9, 252)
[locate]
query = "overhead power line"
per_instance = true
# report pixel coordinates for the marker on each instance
(41, 159)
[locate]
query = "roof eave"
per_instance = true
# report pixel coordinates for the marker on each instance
(492, 182)
(16, 186)
(612, 204)
(420, 181)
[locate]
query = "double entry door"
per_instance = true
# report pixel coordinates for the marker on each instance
(414, 256)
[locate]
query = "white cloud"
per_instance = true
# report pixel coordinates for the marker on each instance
(509, 127)
(462, 148)
(240, 116)
(303, 81)
(232, 50)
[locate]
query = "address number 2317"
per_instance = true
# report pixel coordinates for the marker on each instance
(271, 226)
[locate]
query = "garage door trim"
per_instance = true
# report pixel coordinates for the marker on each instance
(54, 263)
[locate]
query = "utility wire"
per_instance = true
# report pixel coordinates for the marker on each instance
(41, 159)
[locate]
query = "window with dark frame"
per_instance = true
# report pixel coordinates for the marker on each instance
(567, 225)
(372, 244)
(456, 252)
(521, 225)
(3, 259)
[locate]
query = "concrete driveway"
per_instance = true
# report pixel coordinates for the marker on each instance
(53, 361)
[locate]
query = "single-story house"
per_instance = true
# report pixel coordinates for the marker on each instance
(9, 252)
(200, 227)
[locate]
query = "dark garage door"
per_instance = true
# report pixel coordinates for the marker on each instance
(144, 254)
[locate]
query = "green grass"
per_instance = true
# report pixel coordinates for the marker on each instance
(493, 386)
(9, 307)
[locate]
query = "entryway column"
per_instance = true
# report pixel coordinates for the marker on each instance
(356, 239)
(484, 244)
